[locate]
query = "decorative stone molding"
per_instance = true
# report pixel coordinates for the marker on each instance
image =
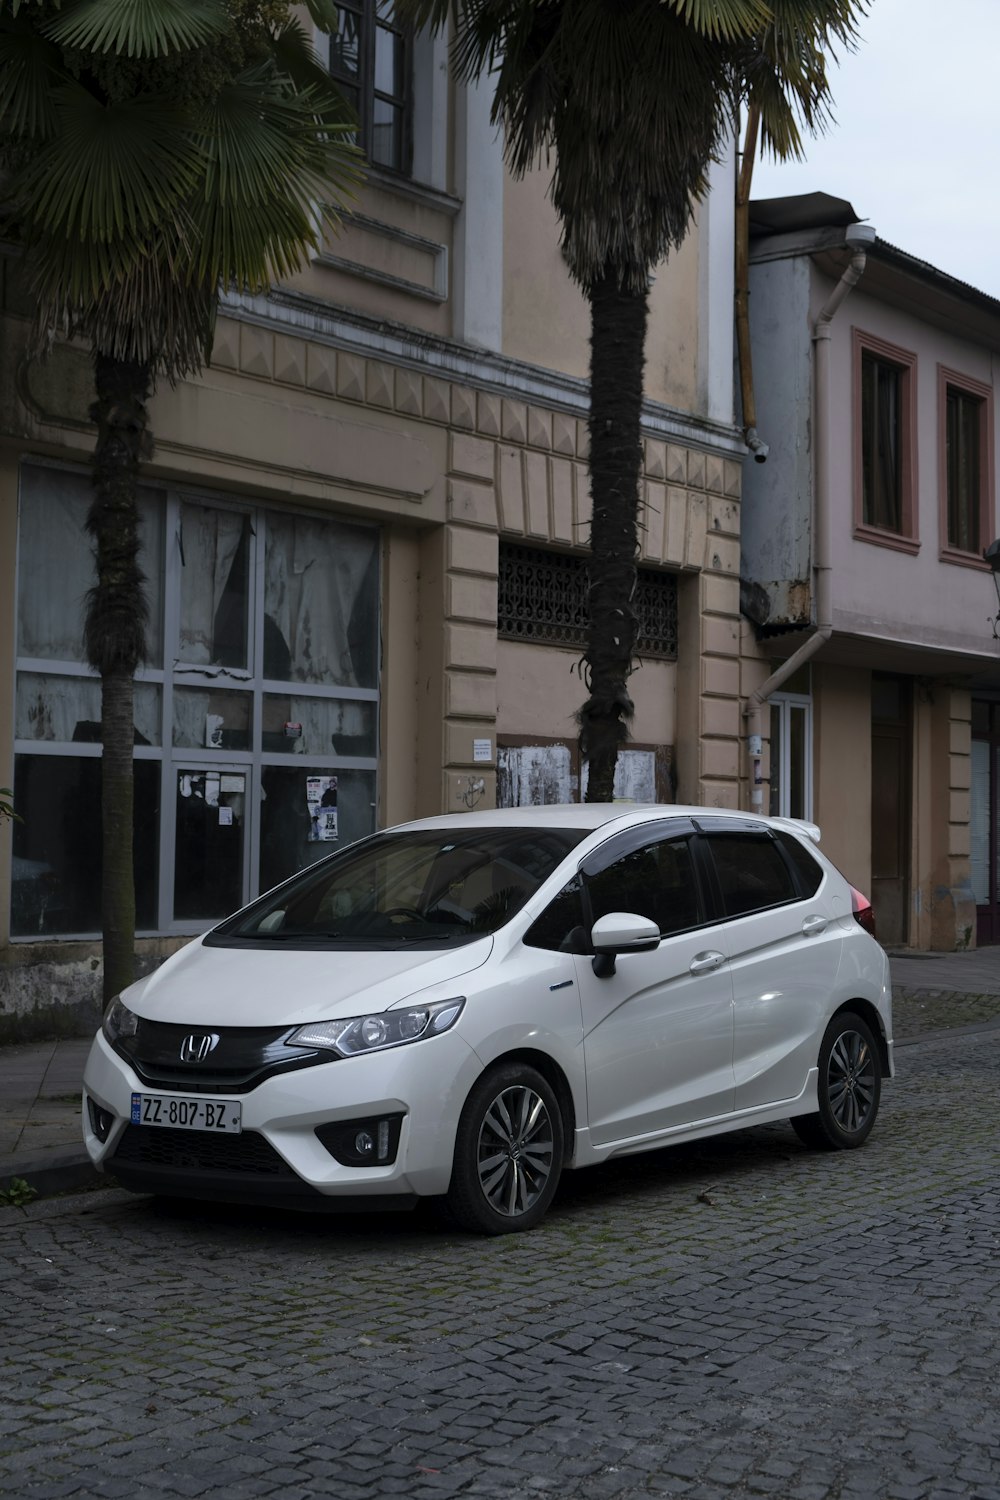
(426, 260)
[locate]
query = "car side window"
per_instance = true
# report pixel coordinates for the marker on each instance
(809, 870)
(561, 927)
(656, 881)
(751, 871)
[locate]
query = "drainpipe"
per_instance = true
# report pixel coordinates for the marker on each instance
(751, 436)
(859, 237)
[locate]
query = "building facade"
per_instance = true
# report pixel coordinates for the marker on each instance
(869, 608)
(363, 528)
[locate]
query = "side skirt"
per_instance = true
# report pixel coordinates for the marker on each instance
(586, 1154)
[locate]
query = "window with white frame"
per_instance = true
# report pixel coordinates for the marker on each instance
(256, 713)
(791, 756)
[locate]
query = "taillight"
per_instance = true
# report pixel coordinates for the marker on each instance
(862, 909)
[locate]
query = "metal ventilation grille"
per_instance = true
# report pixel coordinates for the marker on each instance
(543, 598)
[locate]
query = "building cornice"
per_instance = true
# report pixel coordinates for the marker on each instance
(358, 333)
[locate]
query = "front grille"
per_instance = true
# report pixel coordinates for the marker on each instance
(197, 1151)
(242, 1058)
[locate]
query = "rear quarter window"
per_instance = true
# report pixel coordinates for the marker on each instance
(808, 870)
(751, 872)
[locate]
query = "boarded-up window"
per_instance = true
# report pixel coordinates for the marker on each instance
(534, 775)
(538, 772)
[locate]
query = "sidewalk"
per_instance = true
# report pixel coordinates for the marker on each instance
(41, 1138)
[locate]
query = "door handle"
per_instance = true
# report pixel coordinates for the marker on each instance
(812, 925)
(704, 963)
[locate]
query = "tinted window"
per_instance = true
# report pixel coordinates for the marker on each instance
(429, 886)
(752, 873)
(561, 925)
(809, 870)
(657, 881)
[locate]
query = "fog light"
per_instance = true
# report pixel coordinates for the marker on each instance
(362, 1143)
(101, 1120)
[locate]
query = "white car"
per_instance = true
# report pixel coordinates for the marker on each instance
(463, 1007)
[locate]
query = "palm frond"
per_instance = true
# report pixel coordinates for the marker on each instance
(137, 303)
(323, 13)
(296, 58)
(271, 155)
(432, 14)
(107, 171)
(29, 67)
(784, 70)
(140, 28)
(723, 20)
(633, 102)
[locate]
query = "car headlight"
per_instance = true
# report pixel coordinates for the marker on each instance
(119, 1022)
(387, 1028)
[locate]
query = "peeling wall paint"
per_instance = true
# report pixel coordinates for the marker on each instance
(59, 993)
(776, 521)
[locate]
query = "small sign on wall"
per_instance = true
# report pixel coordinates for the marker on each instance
(482, 750)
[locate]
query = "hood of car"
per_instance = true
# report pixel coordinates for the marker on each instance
(217, 987)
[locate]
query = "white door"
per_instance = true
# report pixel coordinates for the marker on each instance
(658, 1033)
(658, 1039)
(784, 957)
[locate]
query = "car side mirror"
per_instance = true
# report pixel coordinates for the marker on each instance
(621, 932)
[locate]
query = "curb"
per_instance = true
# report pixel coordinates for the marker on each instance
(49, 1208)
(992, 1023)
(52, 1172)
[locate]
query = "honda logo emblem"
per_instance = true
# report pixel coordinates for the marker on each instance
(196, 1047)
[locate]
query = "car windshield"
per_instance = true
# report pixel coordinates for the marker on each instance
(432, 887)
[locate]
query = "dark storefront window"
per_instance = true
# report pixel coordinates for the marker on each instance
(258, 700)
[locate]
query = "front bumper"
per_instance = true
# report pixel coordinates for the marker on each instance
(278, 1157)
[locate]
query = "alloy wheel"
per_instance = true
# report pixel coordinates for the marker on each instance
(851, 1080)
(516, 1150)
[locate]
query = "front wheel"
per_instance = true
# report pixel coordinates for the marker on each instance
(849, 1088)
(508, 1152)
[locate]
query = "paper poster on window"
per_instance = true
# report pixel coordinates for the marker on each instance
(321, 795)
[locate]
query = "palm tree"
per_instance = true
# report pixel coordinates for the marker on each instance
(154, 153)
(635, 98)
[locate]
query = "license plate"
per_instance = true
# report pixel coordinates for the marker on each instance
(187, 1114)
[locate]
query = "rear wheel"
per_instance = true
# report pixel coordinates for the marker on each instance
(508, 1152)
(849, 1088)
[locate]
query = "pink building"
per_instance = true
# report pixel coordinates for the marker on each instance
(871, 605)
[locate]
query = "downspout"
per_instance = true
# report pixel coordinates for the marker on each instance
(858, 237)
(741, 277)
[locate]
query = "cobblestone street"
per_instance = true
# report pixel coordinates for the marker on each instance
(733, 1319)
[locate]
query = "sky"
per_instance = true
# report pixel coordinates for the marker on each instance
(916, 143)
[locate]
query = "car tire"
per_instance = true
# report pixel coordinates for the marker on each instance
(849, 1088)
(508, 1152)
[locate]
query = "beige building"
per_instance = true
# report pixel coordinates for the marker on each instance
(362, 528)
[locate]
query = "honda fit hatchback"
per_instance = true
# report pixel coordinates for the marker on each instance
(465, 1007)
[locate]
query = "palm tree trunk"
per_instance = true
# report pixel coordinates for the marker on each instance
(617, 357)
(116, 639)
